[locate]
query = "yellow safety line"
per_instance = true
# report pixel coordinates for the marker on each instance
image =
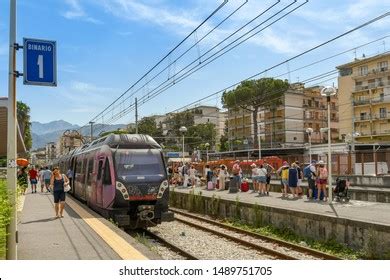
(117, 243)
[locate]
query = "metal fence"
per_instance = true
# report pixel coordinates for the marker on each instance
(371, 163)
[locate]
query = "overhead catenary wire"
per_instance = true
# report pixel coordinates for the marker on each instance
(311, 49)
(305, 52)
(167, 55)
(148, 96)
(197, 66)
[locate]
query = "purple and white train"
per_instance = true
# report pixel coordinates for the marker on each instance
(122, 177)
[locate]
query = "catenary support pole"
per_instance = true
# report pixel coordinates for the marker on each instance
(11, 137)
(136, 116)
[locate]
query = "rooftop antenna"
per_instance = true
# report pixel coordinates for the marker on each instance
(354, 51)
(384, 46)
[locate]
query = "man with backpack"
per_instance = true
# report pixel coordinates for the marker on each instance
(309, 172)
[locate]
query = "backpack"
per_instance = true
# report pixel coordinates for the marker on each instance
(307, 172)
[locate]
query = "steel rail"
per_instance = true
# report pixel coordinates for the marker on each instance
(301, 249)
(170, 245)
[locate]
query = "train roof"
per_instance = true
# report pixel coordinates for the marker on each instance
(124, 141)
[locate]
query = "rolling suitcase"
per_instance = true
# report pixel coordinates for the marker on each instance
(244, 186)
(210, 185)
(233, 185)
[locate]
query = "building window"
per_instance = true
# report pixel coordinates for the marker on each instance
(382, 66)
(382, 113)
(363, 70)
(363, 116)
(345, 72)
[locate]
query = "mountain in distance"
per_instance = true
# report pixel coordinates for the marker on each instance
(43, 133)
(44, 128)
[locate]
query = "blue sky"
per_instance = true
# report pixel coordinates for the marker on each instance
(104, 46)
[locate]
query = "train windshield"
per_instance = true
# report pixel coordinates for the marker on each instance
(139, 163)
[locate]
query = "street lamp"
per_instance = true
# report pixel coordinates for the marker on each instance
(183, 130)
(207, 145)
(328, 92)
(309, 131)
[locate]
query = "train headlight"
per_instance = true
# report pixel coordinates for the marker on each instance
(163, 187)
(120, 187)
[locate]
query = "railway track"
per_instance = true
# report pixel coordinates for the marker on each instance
(170, 245)
(275, 247)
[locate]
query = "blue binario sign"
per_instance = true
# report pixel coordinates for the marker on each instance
(40, 62)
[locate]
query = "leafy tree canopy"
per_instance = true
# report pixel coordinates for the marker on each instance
(23, 115)
(256, 93)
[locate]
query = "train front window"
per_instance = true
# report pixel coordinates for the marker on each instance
(139, 163)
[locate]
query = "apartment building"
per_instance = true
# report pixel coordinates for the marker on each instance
(202, 115)
(316, 115)
(68, 141)
(278, 126)
(285, 125)
(364, 87)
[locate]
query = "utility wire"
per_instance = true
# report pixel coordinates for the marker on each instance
(167, 55)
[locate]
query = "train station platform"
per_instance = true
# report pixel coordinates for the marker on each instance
(80, 235)
(355, 223)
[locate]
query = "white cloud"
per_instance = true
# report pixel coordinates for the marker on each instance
(77, 12)
(136, 11)
(88, 88)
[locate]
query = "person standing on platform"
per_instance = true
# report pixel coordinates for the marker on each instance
(185, 173)
(310, 174)
(255, 178)
(41, 180)
(46, 177)
(269, 169)
(222, 174)
(236, 182)
(23, 180)
(262, 179)
(69, 174)
(192, 173)
(283, 173)
(57, 183)
(33, 174)
(300, 176)
(322, 175)
(293, 179)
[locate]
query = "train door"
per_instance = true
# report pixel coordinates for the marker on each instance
(99, 181)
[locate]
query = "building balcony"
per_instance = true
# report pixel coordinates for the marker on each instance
(377, 72)
(362, 118)
(361, 102)
(383, 116)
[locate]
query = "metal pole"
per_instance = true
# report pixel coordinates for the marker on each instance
(136, 116)
(91, 123)
(183, 149)
(11, 137)
(330, 196)
(207, 154)
(259, 140)
(310, 148)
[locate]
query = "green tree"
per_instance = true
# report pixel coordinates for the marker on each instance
(224, 143)
(201, 134)
(23, 115)
(252, 95)
(147, 125)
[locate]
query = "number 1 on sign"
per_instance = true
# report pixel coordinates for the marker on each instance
(40, 66)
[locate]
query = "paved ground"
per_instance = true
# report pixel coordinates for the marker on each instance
(371, 212)
(41, 237)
